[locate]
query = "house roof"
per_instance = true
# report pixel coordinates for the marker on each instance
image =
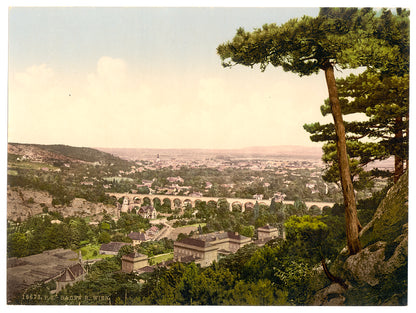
(233, 235)
(113, 246)
(135, 255)
(154, 228)
(194, 242)
(72, 272)
(146, 209)
(137, 236)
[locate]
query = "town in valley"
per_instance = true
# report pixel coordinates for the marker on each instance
(160, 208)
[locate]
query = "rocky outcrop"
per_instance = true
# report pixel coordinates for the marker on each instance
(23, 202)
(83, 207)
(377, 275)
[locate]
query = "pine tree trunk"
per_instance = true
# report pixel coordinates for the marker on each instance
(398, 160)
(352, 223)
(398, 168)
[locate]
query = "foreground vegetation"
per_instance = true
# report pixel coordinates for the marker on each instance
(283, 272)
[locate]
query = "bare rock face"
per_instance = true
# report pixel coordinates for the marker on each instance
(83, 207)
(23, 203)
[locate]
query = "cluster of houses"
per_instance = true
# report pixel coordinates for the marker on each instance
(175, 187)
(225, 163)
(137, 238)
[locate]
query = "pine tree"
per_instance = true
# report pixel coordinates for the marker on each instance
(381, 92)
(346, 37)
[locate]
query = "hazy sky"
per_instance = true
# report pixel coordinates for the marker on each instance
(150, 77)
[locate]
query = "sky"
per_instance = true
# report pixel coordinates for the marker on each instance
(149, 77)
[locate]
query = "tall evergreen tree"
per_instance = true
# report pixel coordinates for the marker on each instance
(347, 37)
(381, 92)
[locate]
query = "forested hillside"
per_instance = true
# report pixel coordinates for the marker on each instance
(64, 172)
(65, 152)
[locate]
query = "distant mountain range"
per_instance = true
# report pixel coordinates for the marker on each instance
(289, 152)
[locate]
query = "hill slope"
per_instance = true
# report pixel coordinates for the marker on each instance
(49, 153)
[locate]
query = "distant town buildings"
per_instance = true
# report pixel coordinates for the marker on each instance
(258, 197)
(279, 196)
(177, 179)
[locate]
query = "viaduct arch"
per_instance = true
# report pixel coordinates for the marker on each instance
(130, 198)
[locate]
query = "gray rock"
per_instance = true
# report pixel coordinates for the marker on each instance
(331, 295)
(368, 263)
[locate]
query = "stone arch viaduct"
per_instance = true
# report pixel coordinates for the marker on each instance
(183, 200)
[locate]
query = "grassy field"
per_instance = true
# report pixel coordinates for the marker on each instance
(12, 172)
(162, 257)
(32, 166)
(92, 252)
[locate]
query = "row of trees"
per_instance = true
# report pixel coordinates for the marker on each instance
(60, 186)
(39, 233)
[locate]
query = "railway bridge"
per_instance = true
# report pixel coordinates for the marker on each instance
(181, 201)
